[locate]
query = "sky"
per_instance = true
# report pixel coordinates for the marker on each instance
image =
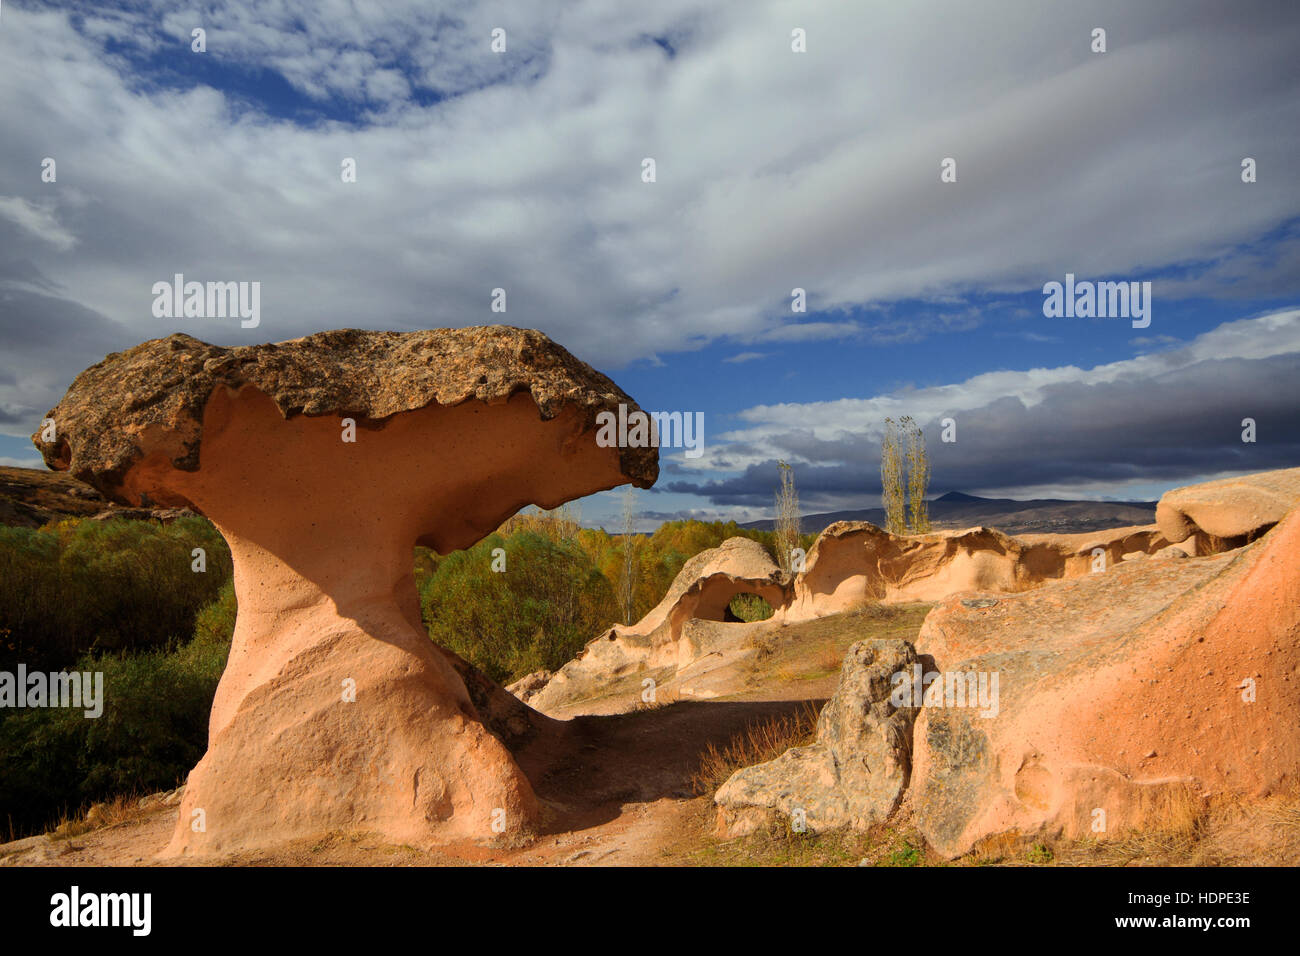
(796, 145)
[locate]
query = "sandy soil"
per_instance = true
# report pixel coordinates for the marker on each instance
(617, 789)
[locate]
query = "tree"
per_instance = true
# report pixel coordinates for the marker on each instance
(786, 525)
(918, 476)
(627, 582)
(891, 479)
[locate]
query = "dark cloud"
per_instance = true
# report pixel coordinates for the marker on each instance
(1168, 428)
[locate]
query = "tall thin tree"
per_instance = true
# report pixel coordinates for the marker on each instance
(627, 584)
(786, 525)
(891, 480)
(918, 476)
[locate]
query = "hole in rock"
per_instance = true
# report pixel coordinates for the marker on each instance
(747, 608)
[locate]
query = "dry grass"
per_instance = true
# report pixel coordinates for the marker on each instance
(825, 662)
(120, 809)
(760, 742)
(764, 643)
(1183, 829)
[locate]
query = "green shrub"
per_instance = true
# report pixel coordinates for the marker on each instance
(153, 729)
(750, 608)
(538, 613)
(77, 586)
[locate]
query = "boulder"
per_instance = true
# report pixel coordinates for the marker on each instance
(1235, 510)
(323, 461)
(855, 772)
(528, 685)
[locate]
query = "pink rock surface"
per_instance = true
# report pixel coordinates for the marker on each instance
(1116, 690)
(336, 711)
(1240, 508)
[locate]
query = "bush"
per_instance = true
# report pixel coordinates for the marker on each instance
(153, 729)
(538, 613)
(750, 608)
(78, 586)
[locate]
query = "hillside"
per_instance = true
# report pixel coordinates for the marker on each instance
(1039, 515)
(30, 497)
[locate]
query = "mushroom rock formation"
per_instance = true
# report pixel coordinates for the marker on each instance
(702, 591)
(335, 710)
(1234, 510)
(1153, 682)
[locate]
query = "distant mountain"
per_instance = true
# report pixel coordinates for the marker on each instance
(1034, 516)
(31, 497)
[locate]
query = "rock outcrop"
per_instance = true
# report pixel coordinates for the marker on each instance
(1061, 695)
(662, 641)
(1116, 689)
(853, 563)
(30, 498)
(855, 772)
(323, 461)
(1234, 510)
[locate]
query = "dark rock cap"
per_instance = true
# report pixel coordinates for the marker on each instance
(153, 396)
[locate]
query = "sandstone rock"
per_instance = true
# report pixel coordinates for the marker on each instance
(851, 564)
(854, 562)
(336, 711)
(1118, 691)
(368, 376)
(855, 772)
(1235, 509)
(528, 685)
(661, 641)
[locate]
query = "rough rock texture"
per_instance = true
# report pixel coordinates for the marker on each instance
(855, 773)
(1235, 508)
(1116, 691)
(335, 710)
(528, 685)
(30, 498)
(853, 562)
(702, 591)
(850, 564)
(154, 395)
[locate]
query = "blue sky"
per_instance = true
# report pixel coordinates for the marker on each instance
(776, 169)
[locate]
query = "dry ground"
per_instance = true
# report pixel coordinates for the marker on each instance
(635, 789)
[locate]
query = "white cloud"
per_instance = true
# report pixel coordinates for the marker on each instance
(775, 169)
(38, 221)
